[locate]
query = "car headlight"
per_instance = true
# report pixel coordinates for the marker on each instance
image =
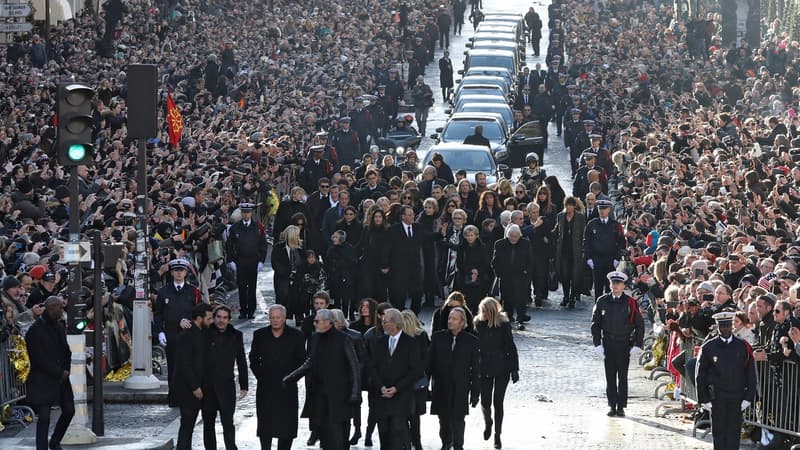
(399, 150)
(501, 154)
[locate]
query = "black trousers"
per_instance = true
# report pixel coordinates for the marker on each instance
(246, 277)
(393, 432)
(332, 435)
(67, 405)
(451, 431)
(559, 120)
(403, 287)
(210, 407)
(535, 44)
(568, 283)
(493, 391)
(172, 340)
(600, 272)
(188, 419)
(540, 285)
(458, 24)
(444, 38)
(283, 443)
(726, 423)
(617, 358)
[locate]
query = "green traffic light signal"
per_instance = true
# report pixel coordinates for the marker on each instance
(80, 325)
(76, 152)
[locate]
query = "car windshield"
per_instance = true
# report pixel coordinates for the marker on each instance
(489, 108)
(471, 161)
(492, 60)
(458, 130)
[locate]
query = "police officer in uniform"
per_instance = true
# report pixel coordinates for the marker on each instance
(247, 250)
(603, 242)
(571, 130)
(726, 382)
(172, 313)
(362, 123)
(617, 333)
(346, 142)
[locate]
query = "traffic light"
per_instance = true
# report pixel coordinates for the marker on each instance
(75, 124)
(77, 322)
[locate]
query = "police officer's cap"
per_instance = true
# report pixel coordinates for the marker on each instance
(370, 98)
(317, 148)
(571, 86)
(359, 99)
(616, 276)
(603, 203)
(392, 69)
(589, 154)
(322, 134)
(595, 136)
(724, 317)
(382, 87)
(344, 119)
(178, 264)
(418, 38)
(245, 206)
(588, 122)
(576, 110)
(556, 57)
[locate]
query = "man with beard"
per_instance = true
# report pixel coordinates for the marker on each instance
(189, 371)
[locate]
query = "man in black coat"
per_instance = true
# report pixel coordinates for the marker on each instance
(334, 381)
(403, 262)
(224, 347)
(477, 138)
(617, 333)
(603, 241)
(393, 369)
(347, 143)
(512, 262)
(445, 73)
(247, 251)
(191, 353)
(454, 369)
(534, 25)
(276, 351)
(726, 381)
(48, 383)
(315, 168)
(172, 312)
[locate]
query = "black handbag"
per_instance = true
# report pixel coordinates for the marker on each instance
(552, 275)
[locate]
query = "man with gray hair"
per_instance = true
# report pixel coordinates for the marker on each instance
(512, 262)
(395, 367)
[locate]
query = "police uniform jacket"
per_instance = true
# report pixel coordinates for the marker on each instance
(726, 371)
(247, 243)
(171, 306)
(617, 320)
(602, 242)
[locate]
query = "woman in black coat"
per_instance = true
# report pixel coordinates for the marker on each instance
(454, 300)
(568, 234)
(473, 274)
(349, 224)
(499, 362)
(272, 358)
(288, 208)
(413, 327)
(374, 242)
(512, 262)
(287, 263)
(340, 265)
(429, 220)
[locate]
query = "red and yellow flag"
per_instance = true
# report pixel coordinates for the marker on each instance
(174, 122)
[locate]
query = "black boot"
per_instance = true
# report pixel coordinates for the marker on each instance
(487, 420)
(356, 437)
(312, 440)
(498, 444)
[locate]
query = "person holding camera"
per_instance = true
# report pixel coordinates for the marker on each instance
(171, 314)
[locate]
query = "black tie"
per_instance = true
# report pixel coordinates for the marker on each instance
(179, 287)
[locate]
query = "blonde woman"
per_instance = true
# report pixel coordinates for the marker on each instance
(413, 327)
(287, 264)
(499, 363)
(296, 203)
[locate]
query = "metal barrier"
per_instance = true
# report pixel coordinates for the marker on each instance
(12, 389)
(777, 405)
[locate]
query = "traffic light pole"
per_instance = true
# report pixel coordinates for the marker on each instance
(98, 422)
(142, 369)
(78, 432)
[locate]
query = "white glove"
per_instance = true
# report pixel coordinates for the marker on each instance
(590, 263)
(707, 406)
(616, 263)
(260, 266)
(600, 350)
(635, 351)
(232, 266)
(162, 339)
(745, 404)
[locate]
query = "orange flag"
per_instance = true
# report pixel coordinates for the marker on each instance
(241, 103)
(174, 122)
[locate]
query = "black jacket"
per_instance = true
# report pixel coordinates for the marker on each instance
(603, 243)
(617, 320)
(455, 374)
(400, 370)
(498, 351)
(49, 357)
(726, 371)
(513, 265)
(190, 368)
(171, 306)
(222, 350)
(247, 244)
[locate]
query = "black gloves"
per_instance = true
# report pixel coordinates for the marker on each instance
(514, 376)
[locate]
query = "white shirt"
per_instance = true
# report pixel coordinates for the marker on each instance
(247, 223)
(393, 343)
(178, 287)
(409, 233)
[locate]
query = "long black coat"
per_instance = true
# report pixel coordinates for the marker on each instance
(49, 357)
(514, 271)
(271, 359)
(286, 210)
(498, 351)
(222, 350)
(473, 257)
(372, 282)
(455, 375)
(405, 257)
(400, 370)
(578, 225)
(445, 73)
(288, 285)
(191, 353)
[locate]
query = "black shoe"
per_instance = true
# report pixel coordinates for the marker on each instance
(563, 303)
(312, 440)
(620, 412)
(525, 319)
(368, 441)
(497, 443)
(571, 305)
(521, 326)
(251, 316)
(355, 438)
(612, 412)
(487, 431)
(242, 316)
(54, 446)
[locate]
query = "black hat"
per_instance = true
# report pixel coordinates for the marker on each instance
(603, 203)
(10, 282)
(61, 192)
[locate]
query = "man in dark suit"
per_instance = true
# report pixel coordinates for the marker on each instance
(454, 368)
(332, 215)
(190, 353)
(403, 262)
(539, 76)
(393, 369)
(321, 200)
(315, 168)
(48, 383)
(524, 99)
(224, 346)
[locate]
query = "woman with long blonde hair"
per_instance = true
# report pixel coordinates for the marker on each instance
(413, 327)
(288, 264)
(499, 363)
